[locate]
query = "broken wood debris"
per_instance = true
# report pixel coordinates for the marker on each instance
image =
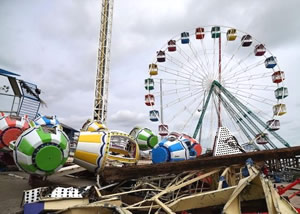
(130, 172)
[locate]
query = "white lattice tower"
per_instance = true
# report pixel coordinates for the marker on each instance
(102, 78)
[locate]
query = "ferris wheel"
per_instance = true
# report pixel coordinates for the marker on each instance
(217, 76)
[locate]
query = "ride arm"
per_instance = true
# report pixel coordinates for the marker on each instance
(203, 111)
(254, 116)
(282, 190)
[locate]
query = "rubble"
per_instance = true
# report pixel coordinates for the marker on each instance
(232, 189)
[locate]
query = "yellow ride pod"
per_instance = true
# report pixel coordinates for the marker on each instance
(41, 150)
(153, 70)
(231, 34)
(94, 149)
(93, 126)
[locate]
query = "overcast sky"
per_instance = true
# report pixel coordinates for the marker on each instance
(54, 45)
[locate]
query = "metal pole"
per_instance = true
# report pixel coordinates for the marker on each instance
(200, 132)
(220, 63)
(161, 103)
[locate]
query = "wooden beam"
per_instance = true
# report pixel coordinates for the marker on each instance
(130, 172)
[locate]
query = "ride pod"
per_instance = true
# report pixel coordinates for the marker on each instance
(44, 120)
(41, 150)
(96, 149)
(145, 138)
(176, 147)
(11, 127)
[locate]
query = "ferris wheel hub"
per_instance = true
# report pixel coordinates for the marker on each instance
(207, 83)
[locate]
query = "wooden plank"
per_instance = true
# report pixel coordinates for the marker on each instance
(201, 200)
(129, 172)
(69, 170)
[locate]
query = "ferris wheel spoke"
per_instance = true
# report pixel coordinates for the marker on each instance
(180, 72)
(177, 73)
(174, 91)
(182, 98)
(247, 69)
(231, 58)
(247, 78)
(192, 114)
(177, 82)
(237, 64)
(257, 110)
(186, 67)
(187, 58)
(199, 60)
(182, 110)
(254, 97)
(253, 87)
(205, 53)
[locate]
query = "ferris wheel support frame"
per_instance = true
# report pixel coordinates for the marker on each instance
(239, 106)
(241, 122)
(244, 114)
(102, 77)
(199, 124)
(254, 116)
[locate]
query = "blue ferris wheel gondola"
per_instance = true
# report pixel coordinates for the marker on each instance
(154, 115)
(185, 38)
(271, 62)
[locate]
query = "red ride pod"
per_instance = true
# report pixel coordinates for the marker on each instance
(11, 127)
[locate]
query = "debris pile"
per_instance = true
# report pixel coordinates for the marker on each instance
(231, 189)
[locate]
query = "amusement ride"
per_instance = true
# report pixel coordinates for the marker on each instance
(217, 76)
(207, 78)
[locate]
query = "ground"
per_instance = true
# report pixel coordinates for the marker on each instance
(12, 185)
